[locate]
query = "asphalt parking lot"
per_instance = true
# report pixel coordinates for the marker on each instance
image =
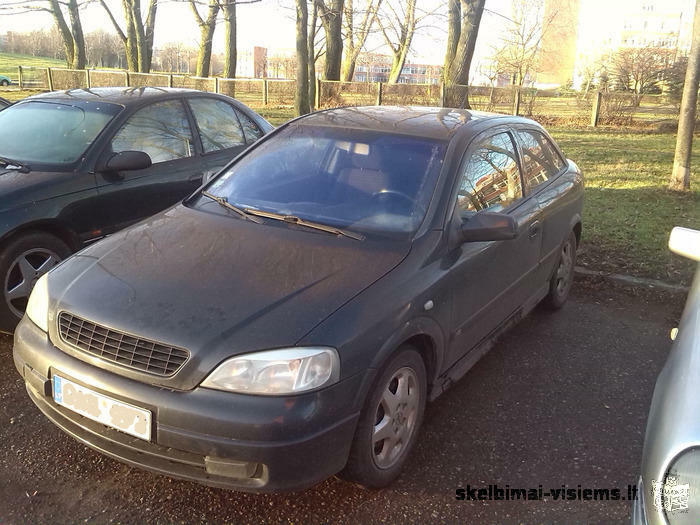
(561, 400)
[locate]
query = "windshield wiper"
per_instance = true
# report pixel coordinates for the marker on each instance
(12, 164)
(293, 219)
(226, 204)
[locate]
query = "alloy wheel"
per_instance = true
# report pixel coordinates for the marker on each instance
(24, 272)
(565, 268)
(395, 418)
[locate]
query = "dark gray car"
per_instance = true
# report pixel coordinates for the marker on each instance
(669, 486)
(291, 319)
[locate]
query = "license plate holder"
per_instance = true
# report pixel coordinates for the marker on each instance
(103, 409)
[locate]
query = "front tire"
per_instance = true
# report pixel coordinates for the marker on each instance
(389, 422)
(22, 261)
(563, 277)
(4, 83)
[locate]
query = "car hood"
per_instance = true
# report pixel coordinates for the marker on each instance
(18, 188)
(216, 285)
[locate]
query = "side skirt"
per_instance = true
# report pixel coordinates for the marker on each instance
(466, 362)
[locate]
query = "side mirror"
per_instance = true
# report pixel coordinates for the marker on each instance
(128, 161)
(685, 242)
(488, 226)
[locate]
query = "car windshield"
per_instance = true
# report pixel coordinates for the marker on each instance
(52, 132)
(355, 179)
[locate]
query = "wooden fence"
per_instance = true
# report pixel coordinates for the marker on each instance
(592, 108)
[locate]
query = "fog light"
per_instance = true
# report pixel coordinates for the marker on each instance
(231, 468)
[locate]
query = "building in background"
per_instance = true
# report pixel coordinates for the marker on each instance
(374, 67)
(252, 63)
(586, 33)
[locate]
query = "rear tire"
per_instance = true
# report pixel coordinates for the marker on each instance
(4, 83)
(563, 277)
(389, 422)
(22, 261)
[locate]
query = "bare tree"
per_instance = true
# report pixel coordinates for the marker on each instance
(521, 43)
(680, 177)
(639, 69)
(301, 97)
(313, 52)
(138, 35)
(66, 15)
(103, 49)
(331, 14)
(207, 26)
(464, 19)
(356, 34)
(398, 21)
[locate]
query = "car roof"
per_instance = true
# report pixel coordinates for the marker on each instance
(429, 122)
(118, 95)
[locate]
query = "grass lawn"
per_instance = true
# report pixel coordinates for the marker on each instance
(628, 212)
(9, 63)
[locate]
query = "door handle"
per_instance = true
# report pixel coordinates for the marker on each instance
(196, 177)
(534, 229)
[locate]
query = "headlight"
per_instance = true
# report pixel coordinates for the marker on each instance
(678, 495)
(38, 304)
(272, 372)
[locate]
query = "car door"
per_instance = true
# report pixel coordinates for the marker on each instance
(224, 130)
(543, 166)
(162, 130)
(492, 280)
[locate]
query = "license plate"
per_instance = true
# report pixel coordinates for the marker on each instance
(116, 414)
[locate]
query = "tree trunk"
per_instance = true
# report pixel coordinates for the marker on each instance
(457, 71)
(150, 32)
(348, 65)
(301, 97)
(399, 61)
(680, 177)
(130, 45)
(454, 20)
(408, 28)
(354, 47)
(141, 41)
(231, 43)
(79, 57)
(311, 57)
(206, 29)
(332, 19)
(63, 28)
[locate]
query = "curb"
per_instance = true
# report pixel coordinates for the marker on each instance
(636, 282)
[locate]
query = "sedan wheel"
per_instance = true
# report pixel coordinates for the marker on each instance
(563, 278)
(389, 422)
(24, 272)
(395, 418)
(22, 261)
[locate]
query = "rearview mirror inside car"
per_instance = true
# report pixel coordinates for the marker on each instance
(128, 161)
(685, 242)
(488, 226)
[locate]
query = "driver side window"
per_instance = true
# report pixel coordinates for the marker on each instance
(490, 177)
(162, 130)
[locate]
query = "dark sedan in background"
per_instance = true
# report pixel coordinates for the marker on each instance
(292, 318)
(78, 165)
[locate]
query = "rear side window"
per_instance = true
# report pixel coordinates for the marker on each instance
(250, 128)
(490, 178)
(218, 124)
(162, 130)
(541, 160)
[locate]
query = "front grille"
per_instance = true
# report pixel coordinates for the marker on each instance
(118, 347)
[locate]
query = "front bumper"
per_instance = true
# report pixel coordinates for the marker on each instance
(244, 442)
